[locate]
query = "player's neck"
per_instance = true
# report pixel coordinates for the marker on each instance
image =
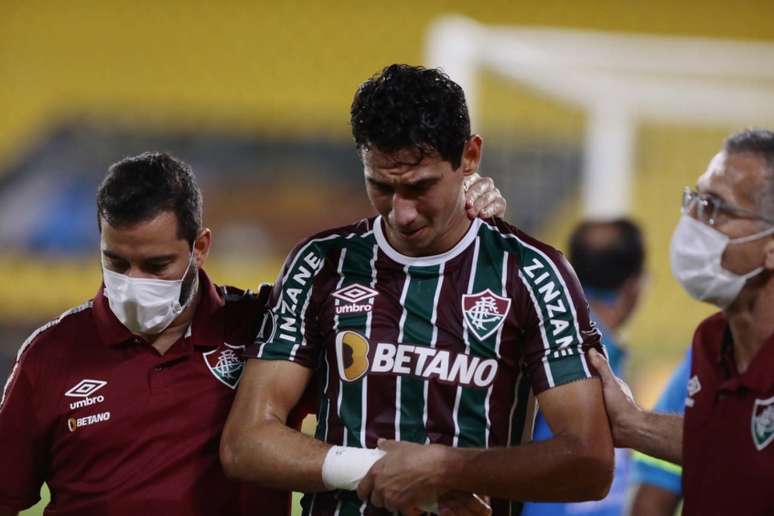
(752, 323)
(457, 229)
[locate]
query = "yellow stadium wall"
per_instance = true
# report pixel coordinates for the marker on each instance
(276, 66)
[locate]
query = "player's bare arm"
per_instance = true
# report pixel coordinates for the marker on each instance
(257, 446)
(658, 435)
(575, 465)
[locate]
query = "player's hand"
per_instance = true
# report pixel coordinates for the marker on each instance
(456, 503)
(405, 478)
(482, 198)
(621, 407)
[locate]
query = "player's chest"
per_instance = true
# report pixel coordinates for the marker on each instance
(726, 423)
(420, 308)
(141, 396)
(427, 327)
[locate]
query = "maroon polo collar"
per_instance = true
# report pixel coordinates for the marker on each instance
(207, 325)
(757, 377)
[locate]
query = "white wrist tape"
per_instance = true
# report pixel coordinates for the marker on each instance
(345, 466)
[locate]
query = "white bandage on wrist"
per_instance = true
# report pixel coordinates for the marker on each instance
(345, 466)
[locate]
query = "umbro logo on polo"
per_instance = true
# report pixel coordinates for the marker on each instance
(85, 388)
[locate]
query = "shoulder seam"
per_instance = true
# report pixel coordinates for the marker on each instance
(26, 344)
(50, 324)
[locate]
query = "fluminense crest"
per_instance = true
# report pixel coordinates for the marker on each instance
(484, 312)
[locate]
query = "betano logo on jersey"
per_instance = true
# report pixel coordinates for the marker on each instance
(74, 423)
(351, 355)
(484, 312)
(353, 352)
(763, 423)
(353, 296)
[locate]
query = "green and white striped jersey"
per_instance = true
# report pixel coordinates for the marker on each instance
(446, 349)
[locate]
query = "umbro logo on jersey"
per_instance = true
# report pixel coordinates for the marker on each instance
(694, 386)
(85, 388)
(484, 312)
(352, 296)
(763, 423)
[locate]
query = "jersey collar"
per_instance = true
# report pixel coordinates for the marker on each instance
(757, 377)
(424, 261)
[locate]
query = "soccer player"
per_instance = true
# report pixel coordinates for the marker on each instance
(609, 258)
(658, 484)
(722, 253)
(427, 329)
(118, 405)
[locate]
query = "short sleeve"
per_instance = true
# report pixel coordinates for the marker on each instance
(289, 328)
(22, 444)
(558, 330)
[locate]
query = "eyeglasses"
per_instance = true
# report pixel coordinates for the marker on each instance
(708, 207)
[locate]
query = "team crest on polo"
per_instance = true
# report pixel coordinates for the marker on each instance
(763, 423)
(226, 364)
(484, 312)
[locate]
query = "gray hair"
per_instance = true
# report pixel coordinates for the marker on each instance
(760, 142)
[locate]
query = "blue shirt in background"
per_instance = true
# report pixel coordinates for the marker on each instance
(615, 502)
(657, 472)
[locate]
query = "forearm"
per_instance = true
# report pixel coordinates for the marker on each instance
(274, 455)
(654, 501)
(560, 469)
(657, 435)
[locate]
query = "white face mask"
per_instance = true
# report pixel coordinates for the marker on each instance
(145, 306)
(696, 252)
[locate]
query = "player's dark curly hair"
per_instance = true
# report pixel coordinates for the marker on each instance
(139, 188)
(410, 106)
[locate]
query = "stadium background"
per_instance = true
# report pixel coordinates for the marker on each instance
(256, 96)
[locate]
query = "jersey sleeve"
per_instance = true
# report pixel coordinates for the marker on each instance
(657, 472)
(22, 441)
(558, 330)
(289, 329)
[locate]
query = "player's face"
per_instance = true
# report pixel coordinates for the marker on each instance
(737, 179)
(151, 249)
(422, 202)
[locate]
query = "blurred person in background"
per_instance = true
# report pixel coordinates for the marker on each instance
(118, 405)
(722, 253)
(609, 258)
(426, 329)
(657, 483)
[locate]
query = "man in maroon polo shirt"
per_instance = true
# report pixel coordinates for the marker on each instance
(118, 405)
(723, 253)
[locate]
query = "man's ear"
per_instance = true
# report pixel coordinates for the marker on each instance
(202, 247)
(471, 155)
